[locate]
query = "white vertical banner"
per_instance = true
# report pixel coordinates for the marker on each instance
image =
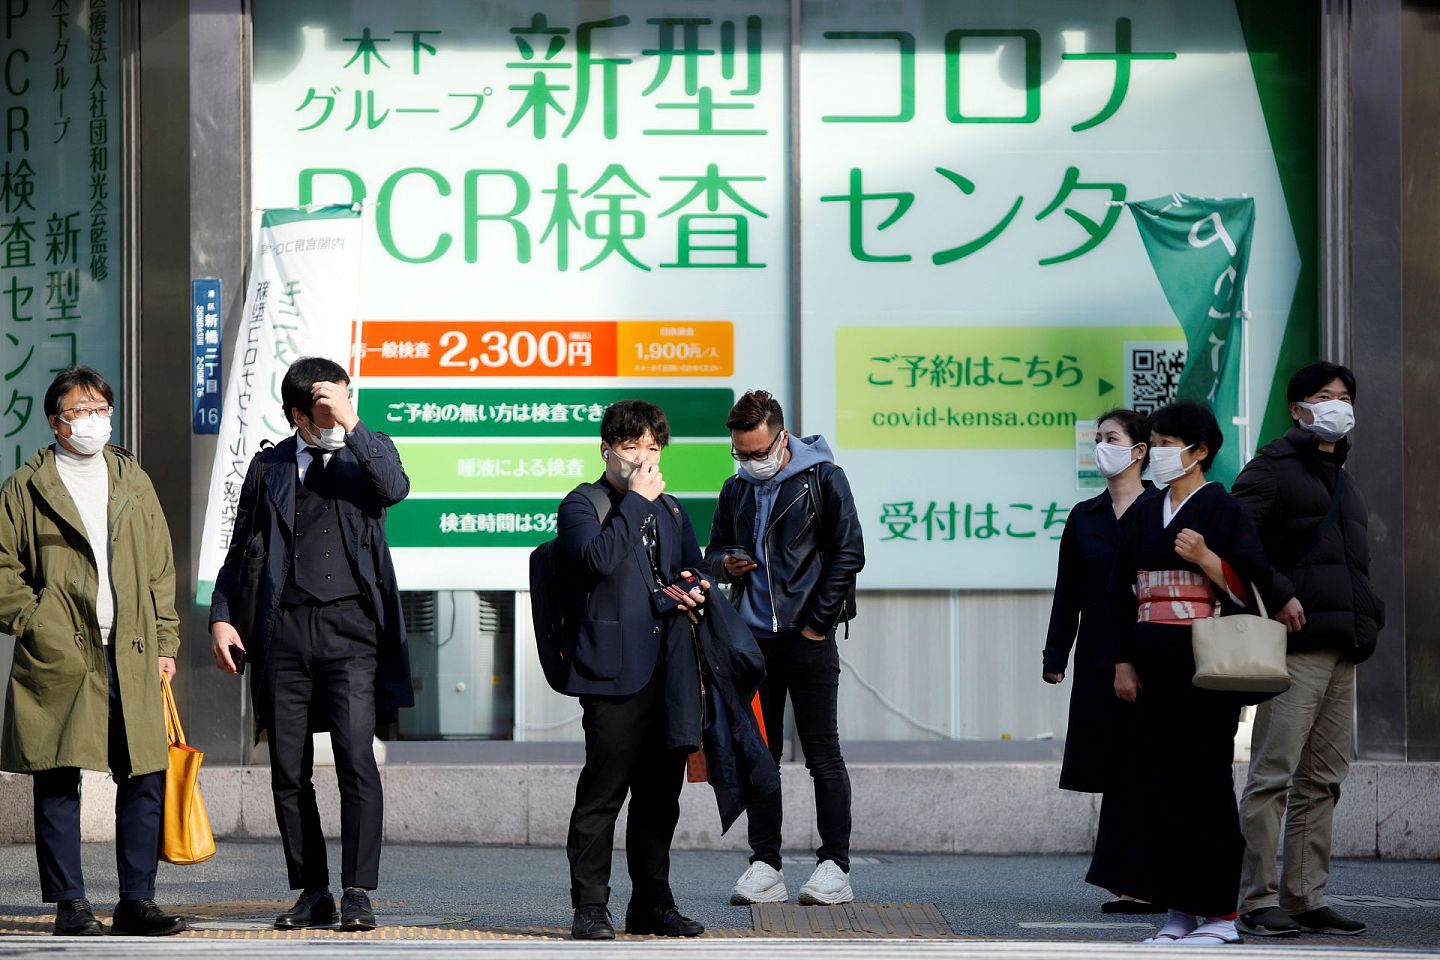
(302, 302)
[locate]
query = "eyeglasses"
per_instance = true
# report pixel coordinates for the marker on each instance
(85, 413)
(747, 457)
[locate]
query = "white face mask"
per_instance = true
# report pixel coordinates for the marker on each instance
(1113, 459)
(1333, 419)
(768, 467)
(327, 438)
(624, 469)
(1166, 465)
(89, 436)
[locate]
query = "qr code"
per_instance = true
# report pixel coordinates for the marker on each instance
(1152, 372)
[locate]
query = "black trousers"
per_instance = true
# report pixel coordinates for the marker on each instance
(625, 753)
(809, 672)
(139, 809)
(1192, 840)
(321, 672)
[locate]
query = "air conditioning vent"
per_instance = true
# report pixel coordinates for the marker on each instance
(418, 609)
(488, 614)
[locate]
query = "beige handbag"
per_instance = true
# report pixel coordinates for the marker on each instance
(1242, 653)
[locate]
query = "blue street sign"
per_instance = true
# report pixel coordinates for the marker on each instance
(205, 353)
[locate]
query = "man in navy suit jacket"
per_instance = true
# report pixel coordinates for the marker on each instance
(328, 643)
(625, 569)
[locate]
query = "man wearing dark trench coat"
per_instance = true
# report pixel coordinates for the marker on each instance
(328, 648)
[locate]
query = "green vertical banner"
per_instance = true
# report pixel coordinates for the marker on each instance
(1200, 249)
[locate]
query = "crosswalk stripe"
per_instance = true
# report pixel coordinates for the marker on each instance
(829, 949)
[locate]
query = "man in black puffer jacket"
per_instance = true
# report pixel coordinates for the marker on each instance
(1312, 519)
(786, 534)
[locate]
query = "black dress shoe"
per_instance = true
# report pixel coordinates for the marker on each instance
(661, 922)
(355, 912)
(74, 918)
(142, 918)
(592, 922)
(314, 908)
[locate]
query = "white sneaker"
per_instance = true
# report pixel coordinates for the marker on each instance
(827, 885)
(761, 883)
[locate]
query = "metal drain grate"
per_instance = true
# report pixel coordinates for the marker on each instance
(890, 921)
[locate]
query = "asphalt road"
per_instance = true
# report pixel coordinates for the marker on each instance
(1013, 898)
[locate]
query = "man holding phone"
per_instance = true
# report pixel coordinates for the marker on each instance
(630, 562)
(787, 535)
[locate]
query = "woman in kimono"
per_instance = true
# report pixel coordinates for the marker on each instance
(1099, 747)
(1183, 554)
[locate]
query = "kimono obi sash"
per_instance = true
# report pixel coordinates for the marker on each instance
(1174, 596)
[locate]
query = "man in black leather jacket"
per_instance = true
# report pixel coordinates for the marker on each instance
(787, 536)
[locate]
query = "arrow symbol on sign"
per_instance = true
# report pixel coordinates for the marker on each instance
(1105, 386)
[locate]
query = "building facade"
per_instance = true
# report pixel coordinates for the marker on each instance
(905, 219)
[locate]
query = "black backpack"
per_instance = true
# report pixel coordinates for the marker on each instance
(555, 616)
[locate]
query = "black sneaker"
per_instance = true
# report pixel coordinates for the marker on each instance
(665, 921)
(592, 922)
(142, 918)
(1325, 920)
(75, 918)
(315, 907)
(355, 911)
(1267, 922)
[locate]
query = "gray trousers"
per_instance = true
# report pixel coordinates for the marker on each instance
(1299, 755)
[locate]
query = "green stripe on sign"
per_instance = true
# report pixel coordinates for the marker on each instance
(279, 216)
(461, 522)
(538, 467)
(444, 412)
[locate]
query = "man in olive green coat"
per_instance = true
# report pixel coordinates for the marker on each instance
(87, 588)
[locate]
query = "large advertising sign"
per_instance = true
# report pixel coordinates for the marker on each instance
(567, 203)
(975, 292)
(60, 209)
(567, 207)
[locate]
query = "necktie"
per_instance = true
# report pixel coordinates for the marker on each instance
(315, 473)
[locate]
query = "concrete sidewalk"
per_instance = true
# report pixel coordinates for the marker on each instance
(474, 890)
(1386, 810)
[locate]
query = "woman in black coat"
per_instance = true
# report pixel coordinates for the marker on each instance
(1099, 753)
(1184, 555)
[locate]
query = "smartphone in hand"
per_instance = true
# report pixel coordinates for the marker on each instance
(739, 553)
(237, 657)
